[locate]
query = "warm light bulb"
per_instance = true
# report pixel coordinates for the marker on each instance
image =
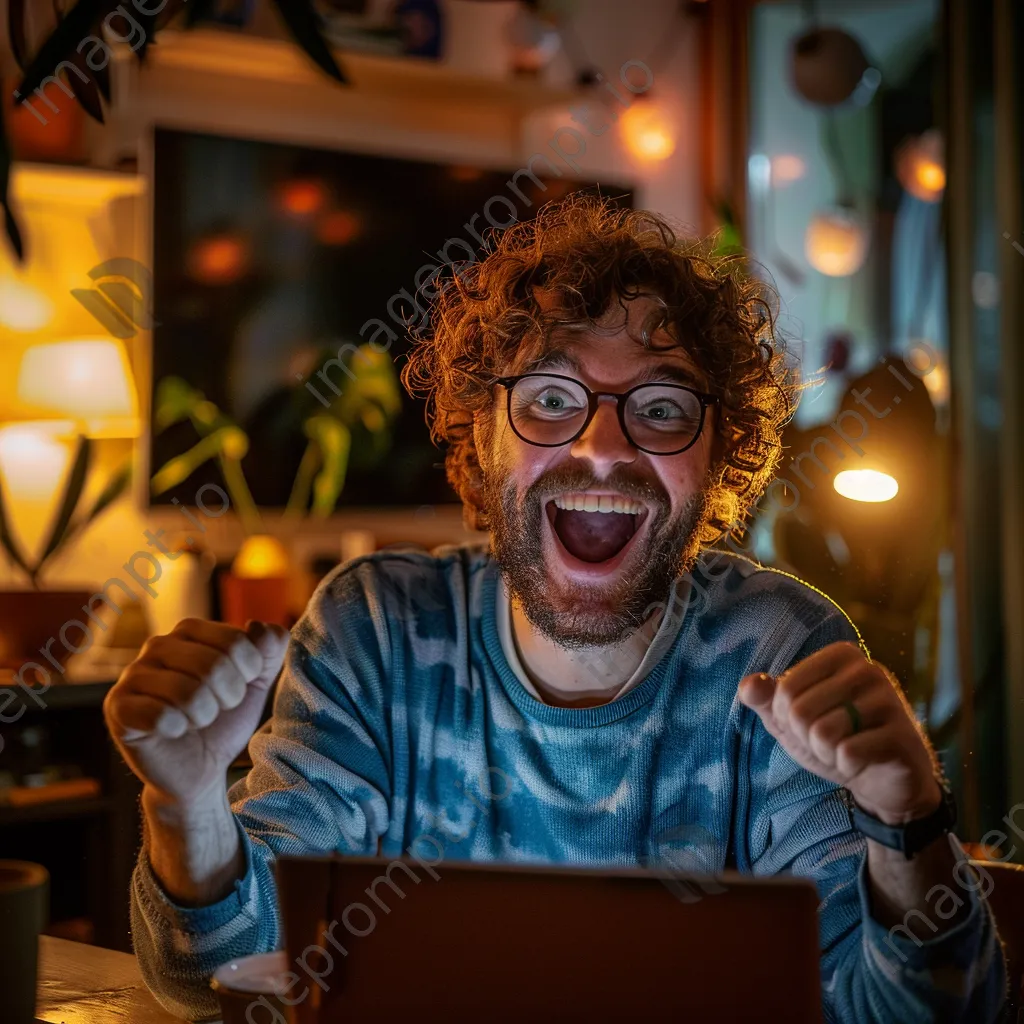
(920, 166)
(218, 260)
(647, 131)
(836, 242)
(931, 176)
(866, 485)
(261, 557)
(22, 307)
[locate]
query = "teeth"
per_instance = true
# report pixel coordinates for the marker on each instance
(597, 503)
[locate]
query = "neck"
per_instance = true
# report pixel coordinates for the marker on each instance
(583, 677)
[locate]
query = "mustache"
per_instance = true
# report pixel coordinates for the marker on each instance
(580, 478)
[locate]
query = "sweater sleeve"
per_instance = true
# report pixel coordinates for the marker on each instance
(800, 826)
(320, 782)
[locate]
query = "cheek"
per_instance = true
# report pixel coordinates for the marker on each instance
(512, 458)
(684, 475)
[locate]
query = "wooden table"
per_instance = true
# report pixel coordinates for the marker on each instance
(81, 984)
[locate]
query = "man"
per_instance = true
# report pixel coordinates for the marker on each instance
(611, 402)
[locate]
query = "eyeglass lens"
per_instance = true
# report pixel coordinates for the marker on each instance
(551, 411)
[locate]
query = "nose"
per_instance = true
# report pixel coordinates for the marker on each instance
(603, 443)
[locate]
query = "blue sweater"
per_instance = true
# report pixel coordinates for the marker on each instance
(399, 727)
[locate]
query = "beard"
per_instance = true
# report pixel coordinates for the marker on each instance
(580, 615)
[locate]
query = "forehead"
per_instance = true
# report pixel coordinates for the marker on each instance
(612, 350)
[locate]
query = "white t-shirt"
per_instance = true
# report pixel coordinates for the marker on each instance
(668, 629)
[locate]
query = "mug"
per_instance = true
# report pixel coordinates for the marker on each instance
(247, 989)
(24, 907)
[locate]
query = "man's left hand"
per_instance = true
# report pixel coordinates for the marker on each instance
(843, 717)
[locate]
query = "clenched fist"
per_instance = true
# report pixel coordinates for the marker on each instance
(841, 716)
(188, 705)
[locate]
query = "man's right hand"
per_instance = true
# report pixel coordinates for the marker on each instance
(180, 714)
(188, 705)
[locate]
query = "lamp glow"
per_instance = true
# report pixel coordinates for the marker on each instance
(22, 307)
(836, 242)
(87, 380)
(866, 485)
(647, 131)
(34, 459)
(261, 557)
(920, 166)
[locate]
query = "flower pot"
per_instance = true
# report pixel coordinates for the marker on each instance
(50, 129)
(265, 600)
(29, 619)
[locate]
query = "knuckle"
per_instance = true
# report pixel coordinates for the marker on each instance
(187, 624)
(820, 731)
(155, 646)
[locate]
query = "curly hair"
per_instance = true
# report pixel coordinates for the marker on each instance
(485, 316)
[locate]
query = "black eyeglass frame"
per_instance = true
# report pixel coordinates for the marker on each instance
(593, 397)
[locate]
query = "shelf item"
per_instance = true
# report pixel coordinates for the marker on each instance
(52, 792)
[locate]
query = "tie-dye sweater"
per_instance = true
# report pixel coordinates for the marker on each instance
(399, 728)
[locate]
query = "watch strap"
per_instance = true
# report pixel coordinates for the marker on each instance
(913, 837)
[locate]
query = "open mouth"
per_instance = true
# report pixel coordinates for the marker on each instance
(595, 528)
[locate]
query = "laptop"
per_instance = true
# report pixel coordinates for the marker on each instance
(379, 940)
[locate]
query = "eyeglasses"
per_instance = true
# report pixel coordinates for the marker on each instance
(549, 410)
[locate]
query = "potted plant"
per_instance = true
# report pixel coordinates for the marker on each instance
(365, 407)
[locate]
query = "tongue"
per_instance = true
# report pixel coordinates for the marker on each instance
(593, 536)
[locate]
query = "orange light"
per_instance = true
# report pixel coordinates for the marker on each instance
(218, 260)
(870, 485)
(836, 242)
(931, 176)
(338, 227)
(261, 557)
(302, 197)
(647, 131)
(920, 166)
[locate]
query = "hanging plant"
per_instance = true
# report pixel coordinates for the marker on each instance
(62, 51)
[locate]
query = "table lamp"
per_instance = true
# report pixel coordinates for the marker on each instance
(80, 389)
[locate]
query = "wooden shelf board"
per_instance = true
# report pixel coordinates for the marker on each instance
(416, 79)
(57, 810)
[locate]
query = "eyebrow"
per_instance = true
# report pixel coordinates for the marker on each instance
(670, 372)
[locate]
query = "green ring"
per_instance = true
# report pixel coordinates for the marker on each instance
(855, 719)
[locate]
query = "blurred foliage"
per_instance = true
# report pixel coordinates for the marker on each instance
(367, 402)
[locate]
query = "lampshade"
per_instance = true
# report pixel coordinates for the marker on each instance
(87, 380)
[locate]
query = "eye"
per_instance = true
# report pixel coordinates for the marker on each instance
(662, 410)
(553, 400)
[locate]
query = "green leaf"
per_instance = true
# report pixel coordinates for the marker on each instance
(72, 493)
(175, 400)
(304, 23)
(334, 440)
(16, 32)
(10, 545)
(114, 489)
(179, 468)
(63, 42)
(10, 224)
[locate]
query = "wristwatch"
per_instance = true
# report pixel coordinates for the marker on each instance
(913, 837)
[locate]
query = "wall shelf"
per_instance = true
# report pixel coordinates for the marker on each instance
(413, 79)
